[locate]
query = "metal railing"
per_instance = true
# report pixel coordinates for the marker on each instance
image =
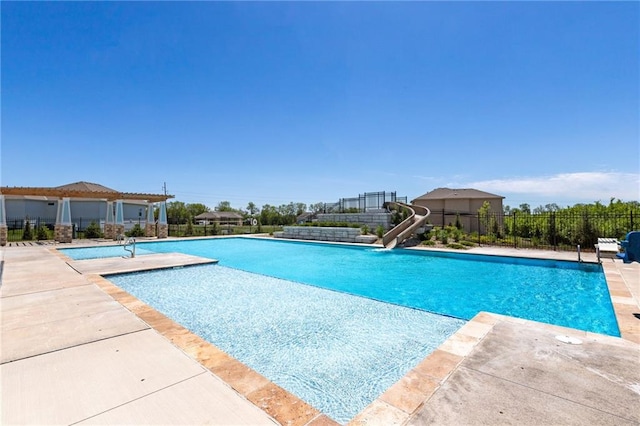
(363, 202)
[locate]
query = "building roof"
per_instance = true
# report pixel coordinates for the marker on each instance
(85, 186)
(82, 190)
(448, 193)
(218, 215)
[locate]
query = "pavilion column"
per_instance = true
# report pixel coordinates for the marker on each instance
(163, 227)
(119, 223)
(3, 223)
(109, 223)
(150, 226)
(63, 229)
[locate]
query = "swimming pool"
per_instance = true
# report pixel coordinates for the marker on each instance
(336, 351)
(460, 285)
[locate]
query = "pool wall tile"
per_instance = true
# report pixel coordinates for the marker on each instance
(475, 329)
(439, 364)
(380, 413)
(625, 305)
(410, 391)
(282, 405)
(460, 344)
(487, 318)
(323, 420)
(240, 377)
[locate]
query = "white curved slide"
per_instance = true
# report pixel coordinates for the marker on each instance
(417, 218)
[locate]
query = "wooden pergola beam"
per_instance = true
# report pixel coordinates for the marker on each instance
(97, 195)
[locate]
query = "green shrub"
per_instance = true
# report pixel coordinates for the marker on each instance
(458, 223)
(365, 230)
(189, 230)
(428, 243)
(43, 233)
(456, 246)
(136, 231)
(468, 243)
(380, 231)
(93, 231)
(27, 234)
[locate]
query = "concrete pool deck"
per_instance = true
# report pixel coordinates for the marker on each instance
(77, 349)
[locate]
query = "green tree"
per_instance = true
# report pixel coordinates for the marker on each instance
(43, 233)
(252, 208)
(300, 208)
(189, 231)
(269, 215)
(27, 234)
(224, 206)
(458, 223)
(488, 220)
(525, 208)
(177, 212)
(317, 208)
(195, 209)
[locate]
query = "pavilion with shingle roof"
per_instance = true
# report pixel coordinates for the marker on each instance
(64, 194)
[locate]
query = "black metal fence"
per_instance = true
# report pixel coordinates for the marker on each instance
(547, 230)
(187, 230)
(42, 228)
(363, 202)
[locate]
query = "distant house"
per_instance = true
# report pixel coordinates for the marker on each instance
(447, 204)
(221, 218)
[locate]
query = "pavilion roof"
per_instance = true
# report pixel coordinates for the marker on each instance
(82, 190)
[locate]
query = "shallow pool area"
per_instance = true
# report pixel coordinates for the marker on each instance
(336, 351)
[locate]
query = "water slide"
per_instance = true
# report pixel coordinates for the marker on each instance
(417, 218)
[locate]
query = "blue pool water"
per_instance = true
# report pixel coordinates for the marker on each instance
(460, 285)
(335, 351)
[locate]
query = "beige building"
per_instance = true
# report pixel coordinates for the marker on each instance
(221, 218)
(447, 204)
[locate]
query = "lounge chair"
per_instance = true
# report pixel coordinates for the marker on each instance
(607, 245)
(631, 247)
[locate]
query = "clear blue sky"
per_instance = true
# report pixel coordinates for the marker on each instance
(309, 102)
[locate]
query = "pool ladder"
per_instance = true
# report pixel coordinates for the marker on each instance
(130, 241)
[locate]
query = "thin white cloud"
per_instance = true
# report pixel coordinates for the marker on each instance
(583, 186)
(424, 177)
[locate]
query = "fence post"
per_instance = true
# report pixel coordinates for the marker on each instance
(555, 234)
(513, 232)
